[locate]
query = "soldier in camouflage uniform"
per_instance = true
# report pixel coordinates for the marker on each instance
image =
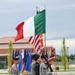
(14, 69)
(43, 66)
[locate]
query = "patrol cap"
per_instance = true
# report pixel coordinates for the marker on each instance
(34, 55)
(16, 57)
(43, 57)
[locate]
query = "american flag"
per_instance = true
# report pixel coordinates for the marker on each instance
(36, 41)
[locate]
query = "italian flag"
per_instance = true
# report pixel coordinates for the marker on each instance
(32, 26)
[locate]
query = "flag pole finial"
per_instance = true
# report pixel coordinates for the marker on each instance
(37, 10)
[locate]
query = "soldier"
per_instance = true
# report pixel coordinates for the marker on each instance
(14, 69)
(32, 64)
(36, 65)
(43, 66)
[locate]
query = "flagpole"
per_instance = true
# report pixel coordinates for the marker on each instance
(45, 44)
(44, 35)
(37, 11)
(44, 49)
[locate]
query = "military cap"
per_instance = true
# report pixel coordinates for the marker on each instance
(16, 57)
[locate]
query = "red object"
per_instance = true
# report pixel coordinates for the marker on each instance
(19, 29)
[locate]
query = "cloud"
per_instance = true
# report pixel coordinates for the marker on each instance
(5, 34)
(61, 7)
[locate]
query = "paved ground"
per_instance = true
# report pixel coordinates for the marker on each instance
(58, 73)
(66, 73)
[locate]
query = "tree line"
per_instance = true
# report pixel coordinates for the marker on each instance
(70, 57)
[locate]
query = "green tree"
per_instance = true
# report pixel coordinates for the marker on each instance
(74, 57)
(10, 54)
(58, 58)
(64, 55)
(71, 56)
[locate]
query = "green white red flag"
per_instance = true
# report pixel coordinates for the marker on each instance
(32, 26)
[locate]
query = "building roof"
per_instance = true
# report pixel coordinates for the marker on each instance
(4, 45)
(23, 43)
(8, 39)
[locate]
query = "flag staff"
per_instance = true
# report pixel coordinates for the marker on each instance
(43, 50)
(37, 10)
(45, 34)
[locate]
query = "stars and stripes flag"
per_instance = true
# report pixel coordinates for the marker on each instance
(36, 41)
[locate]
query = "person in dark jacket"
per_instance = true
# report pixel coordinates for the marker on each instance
(33, 62)
(37, 65)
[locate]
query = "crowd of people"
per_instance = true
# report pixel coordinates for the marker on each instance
(39, 66)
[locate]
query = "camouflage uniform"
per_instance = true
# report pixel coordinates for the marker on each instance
(14, 70)
(32, 68)
(43, 69)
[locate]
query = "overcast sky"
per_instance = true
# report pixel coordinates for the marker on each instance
(60, 16)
